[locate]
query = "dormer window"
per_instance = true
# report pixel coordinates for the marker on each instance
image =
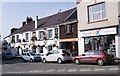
(96, 12)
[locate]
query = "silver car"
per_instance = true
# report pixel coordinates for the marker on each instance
(30, 56)
(59, 56)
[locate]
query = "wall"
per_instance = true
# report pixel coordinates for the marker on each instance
(111, 12)
(72, 35)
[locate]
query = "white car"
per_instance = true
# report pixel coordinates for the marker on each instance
(59, 56)
(30, 56)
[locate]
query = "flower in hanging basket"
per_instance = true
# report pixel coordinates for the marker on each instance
(56, 36)
(54, 45)
(34, 46)
(23, 40)
(43, 45)
(34, 38)
(38, 45)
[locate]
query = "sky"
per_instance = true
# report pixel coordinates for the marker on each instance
(14, 12)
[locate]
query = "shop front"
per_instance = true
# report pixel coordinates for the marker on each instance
(99, 39)
(70, 44)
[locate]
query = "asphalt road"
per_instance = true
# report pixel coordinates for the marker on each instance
(16, 66)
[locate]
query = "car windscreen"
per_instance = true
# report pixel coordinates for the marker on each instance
(66, 52)
(32, 54)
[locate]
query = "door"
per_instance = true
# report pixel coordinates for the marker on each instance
(86, 57)
(50, 56)
(27, 57)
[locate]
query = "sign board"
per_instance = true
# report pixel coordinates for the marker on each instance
(98, 32)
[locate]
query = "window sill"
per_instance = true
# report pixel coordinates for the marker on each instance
(68, 33)
(98, 21)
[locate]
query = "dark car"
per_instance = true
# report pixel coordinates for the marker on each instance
(7, 56)
(100, 57)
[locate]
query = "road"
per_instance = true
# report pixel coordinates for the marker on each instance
(16, 66)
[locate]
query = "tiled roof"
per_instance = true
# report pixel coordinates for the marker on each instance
(46, 21)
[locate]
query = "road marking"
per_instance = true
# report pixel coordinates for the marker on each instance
(113, 69)
(85, 69)
(99, 69)
(72, 70)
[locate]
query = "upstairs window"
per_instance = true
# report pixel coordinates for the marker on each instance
(56, 31)
(68, 29)
(27, 36)
(40, 35)
(96, 12)
(50, 33)
(17, 38)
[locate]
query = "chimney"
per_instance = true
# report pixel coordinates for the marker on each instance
(13, 30)
(36, 20)
(78, 1)
(23, 23)
(29, 19)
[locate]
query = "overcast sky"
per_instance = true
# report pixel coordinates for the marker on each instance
(14, 12)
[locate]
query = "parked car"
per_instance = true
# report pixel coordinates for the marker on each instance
(100, 57)
(30, 56)
(7, 56)
(59, 56)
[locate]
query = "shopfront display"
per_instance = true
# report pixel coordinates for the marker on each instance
(100, 39)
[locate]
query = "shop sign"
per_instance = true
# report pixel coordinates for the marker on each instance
(98, 32)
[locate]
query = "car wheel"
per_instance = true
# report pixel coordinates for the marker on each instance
(59, 61)
(77, 61)
(100, 62)
(44, 60)
(23, 60)
(31, 60)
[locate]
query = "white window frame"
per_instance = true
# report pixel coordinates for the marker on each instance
(101, 11)
(50, 35)
(40, 35)
(27, 36)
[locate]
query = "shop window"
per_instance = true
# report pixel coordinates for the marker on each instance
(106, 43)
(96, 12)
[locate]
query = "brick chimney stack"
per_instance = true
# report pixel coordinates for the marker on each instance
(29, 19)
(23, 23)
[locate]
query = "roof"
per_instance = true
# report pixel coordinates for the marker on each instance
(48, 21)
(27, 27)
(55, 19)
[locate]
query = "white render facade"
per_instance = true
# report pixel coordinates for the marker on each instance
(96, 30)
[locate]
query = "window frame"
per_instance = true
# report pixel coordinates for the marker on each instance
(27, 36)
(40, 35)
(94, 13)
(50, 35)
(68, 29)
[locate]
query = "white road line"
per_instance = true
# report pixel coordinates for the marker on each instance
(113, 69)
(99, 69)
(85, 69)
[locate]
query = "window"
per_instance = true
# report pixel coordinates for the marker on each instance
(97, 12)
(56, 31)
(50, 33)
(41, 49)
(27, 36)
(13, 39)
(40, 35)
(68, 29)
(17, 38)
(49, 48)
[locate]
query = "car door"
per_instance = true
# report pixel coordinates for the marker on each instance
(86, 57)
(49, 56)
(56, 55)
(27, 56)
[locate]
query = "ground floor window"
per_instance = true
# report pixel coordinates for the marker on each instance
(49, 48)
(95, 43)
(70, 46)
(41, 49)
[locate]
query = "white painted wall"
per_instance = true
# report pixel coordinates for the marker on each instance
(111, 14)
